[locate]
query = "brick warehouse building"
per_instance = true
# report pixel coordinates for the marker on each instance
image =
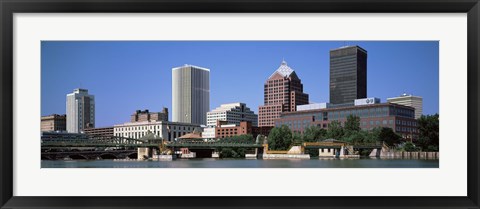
(398, 117)
(283, 91)
(145, 115)
(54, 122)
(224, 130)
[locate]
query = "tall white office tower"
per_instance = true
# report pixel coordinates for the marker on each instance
(190, 94)
(80, 111)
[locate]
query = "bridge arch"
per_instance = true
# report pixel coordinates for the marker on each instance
(133, 155)
(108, 156)
(46, 157)
(78, 157)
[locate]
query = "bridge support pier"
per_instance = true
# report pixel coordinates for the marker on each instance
(144, 153)
(342, 152)
(375, 153)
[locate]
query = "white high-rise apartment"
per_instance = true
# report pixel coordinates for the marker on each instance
(233, 113)
(190, 94)
(411, 101)
(80, 111)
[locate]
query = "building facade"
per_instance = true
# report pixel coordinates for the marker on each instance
(190, 94)
(411, 101)
(348, 74)
(233, 113)
(222, 129)
(145, 115)
(169, 131)
(99, 132)
(283, 91)
(398, 117)
(80, 111)
(53, 122)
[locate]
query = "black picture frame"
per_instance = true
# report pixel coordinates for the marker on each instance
(10, 7)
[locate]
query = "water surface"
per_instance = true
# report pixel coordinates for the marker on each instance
(244, 163)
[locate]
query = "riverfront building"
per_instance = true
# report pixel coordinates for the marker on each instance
(372, 114)
(80, 111)
(233, 113)
(53, 122)
(99, 132)
(224, 130)
(145, 115)
(165, 129)
(348, 74)
(190, 94)
(411, 101)
(283, 91)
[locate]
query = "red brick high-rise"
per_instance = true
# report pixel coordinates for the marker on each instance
(283, 91)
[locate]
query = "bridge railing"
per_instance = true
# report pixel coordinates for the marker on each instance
(85, 139)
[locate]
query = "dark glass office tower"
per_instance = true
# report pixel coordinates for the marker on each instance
(348, 74)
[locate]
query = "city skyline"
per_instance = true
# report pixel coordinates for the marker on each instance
(126, 76)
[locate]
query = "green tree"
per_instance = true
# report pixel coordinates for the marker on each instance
(335, 130)
(356, 137)
(232, 153)
(314, 133)
(297, 138)
(428, 126)
(352, 124)
(388, 136)
(371, 136)
(280, 138)
(409, 147)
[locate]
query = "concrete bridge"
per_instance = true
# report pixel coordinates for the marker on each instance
(60, 146)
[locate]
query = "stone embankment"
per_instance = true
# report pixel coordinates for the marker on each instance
(393, 154)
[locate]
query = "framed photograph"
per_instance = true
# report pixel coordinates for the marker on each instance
(266, 104)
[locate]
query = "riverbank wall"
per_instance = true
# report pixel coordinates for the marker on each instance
(286, 156)
(404, 155)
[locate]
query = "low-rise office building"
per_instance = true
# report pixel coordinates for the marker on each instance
(169, 131)
(98, 132)
(53, 122)
(232, 113)
(372, 114)
(411, 101)
(225, 130)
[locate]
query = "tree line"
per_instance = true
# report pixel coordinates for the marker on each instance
(282, 138)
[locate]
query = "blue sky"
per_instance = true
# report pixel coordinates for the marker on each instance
(128, 75)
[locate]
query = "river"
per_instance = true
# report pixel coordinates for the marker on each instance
(245, 163)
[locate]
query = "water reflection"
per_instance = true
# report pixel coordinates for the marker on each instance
(245, 163)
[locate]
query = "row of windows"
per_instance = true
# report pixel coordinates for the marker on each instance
(138, 135)
(302, 124)
(362, 113)
(406, 129)
(140, 128)
(406, 123)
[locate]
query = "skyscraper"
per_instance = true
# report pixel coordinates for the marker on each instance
(283, 91)
(411, 101)
(348, 74)
(190, 94)
(80, 111)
